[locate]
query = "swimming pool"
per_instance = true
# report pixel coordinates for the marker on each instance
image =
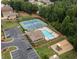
(48, 34)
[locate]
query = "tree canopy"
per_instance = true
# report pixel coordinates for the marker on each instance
(20, 5)
(62, 16)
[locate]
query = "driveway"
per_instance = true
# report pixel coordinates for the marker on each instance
(25, 50)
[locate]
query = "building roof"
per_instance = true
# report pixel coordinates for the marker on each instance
(40, 1)
(2, 5)
(35, 35)
(6, 8)
(7, 11)
(64, 45)
(45, 1)
(13, 14)
(31, 0)
(54, 57)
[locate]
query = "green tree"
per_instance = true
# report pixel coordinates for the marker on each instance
(72, 11)
(34, 8)
(65, 26)
(5, 2)
(16, 5)
(23, 6)
(59, 10)
(45, 57)
(68, 28)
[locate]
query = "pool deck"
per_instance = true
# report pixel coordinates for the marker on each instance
(49, 30)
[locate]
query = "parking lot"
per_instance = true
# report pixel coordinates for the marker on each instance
(25, 50)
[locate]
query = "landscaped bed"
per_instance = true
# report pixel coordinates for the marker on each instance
(6, 52)
(3, 39)
(6, 39)
(9, 24)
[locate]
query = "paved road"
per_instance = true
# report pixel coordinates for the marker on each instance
(25, 50)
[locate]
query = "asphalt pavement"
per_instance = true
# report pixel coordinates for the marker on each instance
(25, 50)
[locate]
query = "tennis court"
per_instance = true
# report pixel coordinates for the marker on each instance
(32, 24)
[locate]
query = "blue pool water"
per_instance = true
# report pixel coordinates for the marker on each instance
(47, 34)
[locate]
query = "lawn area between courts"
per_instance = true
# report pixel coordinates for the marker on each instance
(6, 52)
(25, 18)
(45, 50)
(9, 24)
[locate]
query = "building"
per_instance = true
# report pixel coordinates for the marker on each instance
(41, 1)
(32, 1)
(35, 35)
(62, 47)
(45, 1)
(7, 12)
(54, 57)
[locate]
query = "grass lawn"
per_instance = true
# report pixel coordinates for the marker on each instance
(42, 51)
(69, 55)
(2, 33)
(25, 18)
(9, 24)
(6, 53)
